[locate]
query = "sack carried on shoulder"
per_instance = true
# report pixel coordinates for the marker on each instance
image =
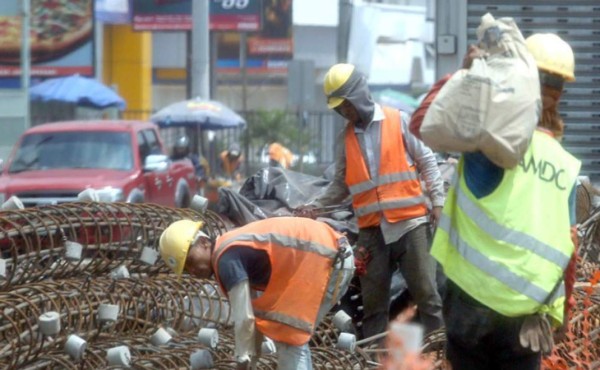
(492, 107)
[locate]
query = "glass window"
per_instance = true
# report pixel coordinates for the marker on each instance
(152, 140)
(77, 149)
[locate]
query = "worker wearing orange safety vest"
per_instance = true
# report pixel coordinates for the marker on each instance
(231, 161)
(380, 165)
(504, 239)
(301, 266)
(280, 156)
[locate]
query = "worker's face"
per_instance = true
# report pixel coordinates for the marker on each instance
(347, 110)
(197, 262)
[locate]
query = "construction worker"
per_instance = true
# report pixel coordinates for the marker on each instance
(380, 166)
(504, 240)
(280, 156)
(301, 266)
(231, 162)
(181, 150)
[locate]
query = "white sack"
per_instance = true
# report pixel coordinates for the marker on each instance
(494, 106)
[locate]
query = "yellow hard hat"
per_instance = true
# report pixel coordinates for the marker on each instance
(552, 54)
(337, 76)
(175, 243)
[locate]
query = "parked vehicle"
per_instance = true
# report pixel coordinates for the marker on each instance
(123, 161)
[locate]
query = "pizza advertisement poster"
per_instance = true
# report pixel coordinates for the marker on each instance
(61, 38)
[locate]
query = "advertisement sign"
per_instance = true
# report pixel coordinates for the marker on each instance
(269, 50)
(114, 11)
(61, 38)
(162, 15)
(173, 15)
(235, 15)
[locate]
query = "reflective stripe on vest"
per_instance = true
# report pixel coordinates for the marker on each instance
(382, 180)
(302, 254)
(285, 319)
(283, 241)
(389, 204)
(396, 191)
(497, 270)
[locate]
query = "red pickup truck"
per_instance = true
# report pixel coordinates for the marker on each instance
(123, 161)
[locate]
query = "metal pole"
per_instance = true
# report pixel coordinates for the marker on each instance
(243, 68)
(200, 71)
(25, 57)
(213, 64)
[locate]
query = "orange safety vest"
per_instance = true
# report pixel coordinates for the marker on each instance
(229, 166)
(396, 193)
(280, 154)
(302, 253)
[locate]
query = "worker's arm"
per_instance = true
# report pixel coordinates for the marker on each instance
(426, 165)
(337, 190)
(243, 319)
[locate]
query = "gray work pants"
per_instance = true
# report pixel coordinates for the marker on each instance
(411, 254)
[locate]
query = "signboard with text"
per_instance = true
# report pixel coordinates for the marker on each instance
(269, 49)
(235, 15)
(162, 15)
(174, 15)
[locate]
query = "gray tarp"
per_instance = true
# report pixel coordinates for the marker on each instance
(273, 192)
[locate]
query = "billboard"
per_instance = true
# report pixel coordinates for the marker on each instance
(61, 38)
(269, 50)
(162, 15)
(174, 15)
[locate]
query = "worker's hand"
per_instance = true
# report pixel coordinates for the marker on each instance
(306, 210)
(434, 217)
(536, 334)
(472, 53)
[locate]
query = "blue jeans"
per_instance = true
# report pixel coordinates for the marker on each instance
(298, 357)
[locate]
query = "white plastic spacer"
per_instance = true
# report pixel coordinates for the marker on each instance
(201, 359)
(119, 356)
(120, 272)
(108, 312)
(160, 337)
(73, 250)
(149, 256)
(75, 347)
(346, 342)
(49, 323)
(342, 321)
(208, 337)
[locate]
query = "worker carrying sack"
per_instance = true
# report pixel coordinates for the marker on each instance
(494, 106)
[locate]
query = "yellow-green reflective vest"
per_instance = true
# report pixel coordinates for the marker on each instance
(508, 250)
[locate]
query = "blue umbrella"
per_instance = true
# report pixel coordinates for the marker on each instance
(78, 90)
(200, 113)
